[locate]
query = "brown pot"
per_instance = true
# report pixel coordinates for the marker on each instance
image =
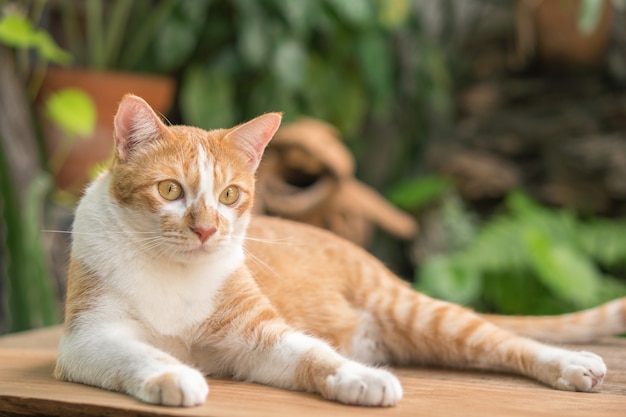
(549, 28)
(106, 89)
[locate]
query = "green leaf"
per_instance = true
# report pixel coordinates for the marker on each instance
(206, 98)
(194, 11)
(376, 64)
(349, 106)
(589, 15)
(564, 270)
(17, 31)
(290, 63)
(415, 194)
(298, 14)
(29, 300)
(253, 43)
(268, 95)
(393, 13)
(356, 12)
(174, 42)
(73, 111)
(442, 278)
(604, 240)
(521, 205)
(43, 302)
(49, 49)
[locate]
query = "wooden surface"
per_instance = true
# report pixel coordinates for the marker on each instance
(27, 387)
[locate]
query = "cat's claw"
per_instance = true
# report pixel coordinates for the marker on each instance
(358, 384)
(177, 386)
(581, 371)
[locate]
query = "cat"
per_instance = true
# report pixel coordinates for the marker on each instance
(171, 279)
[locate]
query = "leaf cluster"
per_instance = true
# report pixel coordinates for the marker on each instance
(532, 260)
(330, 59)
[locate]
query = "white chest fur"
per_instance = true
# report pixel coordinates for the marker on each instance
(171, 298)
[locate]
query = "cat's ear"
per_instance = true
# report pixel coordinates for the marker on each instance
(252, 137)
(134, 125)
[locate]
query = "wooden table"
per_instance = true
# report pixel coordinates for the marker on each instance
(27, 388)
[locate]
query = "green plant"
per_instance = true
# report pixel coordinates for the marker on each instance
(531, 260)
(113, 34)
(71, 110)
(18, 31)
(330, 59)
(28, 297)
(365, 66)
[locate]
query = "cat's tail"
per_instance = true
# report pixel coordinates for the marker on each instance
(583, 326)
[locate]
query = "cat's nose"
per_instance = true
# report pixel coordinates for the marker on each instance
(204, 233)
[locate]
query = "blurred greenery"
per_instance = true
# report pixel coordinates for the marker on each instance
(17, 30)
(329, 59)
(27, 296)
(111, 34)
(29, 299)
(372, 68)
(529, 259)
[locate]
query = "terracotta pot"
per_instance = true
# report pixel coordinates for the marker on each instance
(560, 42)
(106, 89)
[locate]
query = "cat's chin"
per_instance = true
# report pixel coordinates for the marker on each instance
(197, 254)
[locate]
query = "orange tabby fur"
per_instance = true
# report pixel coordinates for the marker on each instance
(151, 300)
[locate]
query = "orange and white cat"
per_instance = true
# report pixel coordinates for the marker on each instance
(171, 279)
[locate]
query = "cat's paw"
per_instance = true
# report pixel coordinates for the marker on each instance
(581, 371)
(357, 384)
(177, 386)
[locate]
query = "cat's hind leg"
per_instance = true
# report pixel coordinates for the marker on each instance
(417, 329)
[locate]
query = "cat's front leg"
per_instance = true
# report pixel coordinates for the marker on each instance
(354, 383)
(317, 367)
(279, 356)
(114, 358)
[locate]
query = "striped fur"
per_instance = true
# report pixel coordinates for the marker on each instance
(153, 304)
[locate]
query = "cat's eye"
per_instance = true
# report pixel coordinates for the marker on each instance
(230, 195)
(170, 190)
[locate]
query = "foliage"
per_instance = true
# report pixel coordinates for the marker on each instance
(72, 110)
(112, 34)
(30, 298)
(340, 61)
(531, 260)
(17, 31)
(417, 193)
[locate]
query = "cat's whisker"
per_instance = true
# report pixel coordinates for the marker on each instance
(159, 246)
(123, 233)
(282, 241)
(264, 265)
(67, 232)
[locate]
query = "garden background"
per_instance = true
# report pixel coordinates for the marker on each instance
(499, 125)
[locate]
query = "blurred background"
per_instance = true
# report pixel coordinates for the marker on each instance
(497, 126)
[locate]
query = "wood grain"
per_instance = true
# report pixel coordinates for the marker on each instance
(27, 388)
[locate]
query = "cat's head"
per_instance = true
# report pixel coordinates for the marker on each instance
(191, 189)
